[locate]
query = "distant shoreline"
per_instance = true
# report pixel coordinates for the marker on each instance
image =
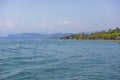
(94, 40)
(111, 40)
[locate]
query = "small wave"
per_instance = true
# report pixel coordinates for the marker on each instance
(12, 73)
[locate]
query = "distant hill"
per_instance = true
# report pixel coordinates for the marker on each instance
(35, 36)
(111, 34)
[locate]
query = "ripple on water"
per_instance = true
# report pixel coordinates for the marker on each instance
(56, 60)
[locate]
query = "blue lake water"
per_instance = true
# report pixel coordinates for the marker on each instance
(59, 60)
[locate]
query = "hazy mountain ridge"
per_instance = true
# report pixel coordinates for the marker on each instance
(35, 36)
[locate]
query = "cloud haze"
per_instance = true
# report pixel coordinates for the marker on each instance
(58, 16)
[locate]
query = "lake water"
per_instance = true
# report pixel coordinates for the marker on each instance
(59, 60)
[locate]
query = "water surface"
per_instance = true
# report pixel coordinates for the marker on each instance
(59, 60)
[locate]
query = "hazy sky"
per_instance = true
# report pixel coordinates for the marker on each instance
(50, 16)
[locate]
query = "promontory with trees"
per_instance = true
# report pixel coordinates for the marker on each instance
(111, 34)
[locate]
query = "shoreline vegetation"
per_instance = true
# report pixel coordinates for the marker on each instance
(110, 35)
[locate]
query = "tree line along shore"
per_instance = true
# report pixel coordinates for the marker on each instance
(110, 35)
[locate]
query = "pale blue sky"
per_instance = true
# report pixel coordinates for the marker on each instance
(51, 16)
